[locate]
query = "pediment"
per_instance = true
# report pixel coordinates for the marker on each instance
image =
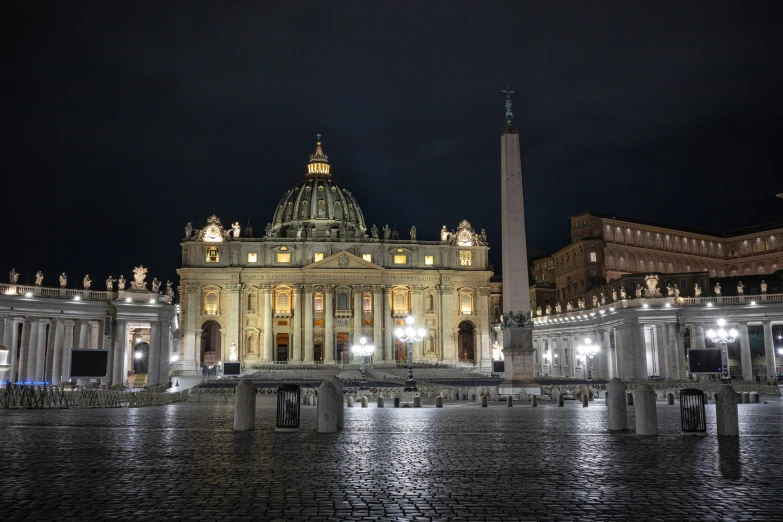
(342, 261)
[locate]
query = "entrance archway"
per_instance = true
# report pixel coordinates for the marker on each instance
(400, 351)
(211, 350)
(318, 352)
(282, 347)
(141, 358)
(466, 341)
(342, 345)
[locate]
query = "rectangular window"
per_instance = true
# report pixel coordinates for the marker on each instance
(367, 257)
(213, 255)
(464, 257)
(252, 257)
(593, 257)
(429, 260)
(284, 258)
(318, 256)
(318, 322)
(400, 259)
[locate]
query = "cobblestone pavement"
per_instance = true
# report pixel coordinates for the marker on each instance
(462, 462)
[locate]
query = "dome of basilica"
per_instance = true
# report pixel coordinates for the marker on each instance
(318, 206)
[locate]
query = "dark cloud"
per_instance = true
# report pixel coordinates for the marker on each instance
(121, 122)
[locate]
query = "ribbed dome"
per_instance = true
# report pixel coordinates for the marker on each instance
(318, 206)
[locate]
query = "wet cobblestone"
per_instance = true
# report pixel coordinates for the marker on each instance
(462, 462)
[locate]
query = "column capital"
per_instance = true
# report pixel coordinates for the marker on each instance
(308, 288)
(329, 288)
(297, 287)
(483, 291)
(266, 288)
(357, 288)
(234, 288)
(155, 323)
(416, 289)
(445, 289)
(192, 289)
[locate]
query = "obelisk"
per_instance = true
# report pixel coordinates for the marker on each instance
(518, 351)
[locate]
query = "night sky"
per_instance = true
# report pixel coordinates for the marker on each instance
(122, 122)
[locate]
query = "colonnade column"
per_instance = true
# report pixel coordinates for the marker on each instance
(24, 355)
(570, 357)
(417, 291)
(388, 326)
(357, 320)
(661, 351)
(118, 366)
(296, 341)
(377, 323)
(745, 360)
(606, 341)
(329, 324)
(50, 348)
(40, 351)
(308, 320)
(83, 342)
(191, 357)
(769, 350)
(10, 341)
(680, 338)
(266, 291)
(697, 336)
(153, 363)
(672, 359)
(165, 353)
(483, 313)
(446, 333)
(32, 351)
(65, 369)
(235, 318)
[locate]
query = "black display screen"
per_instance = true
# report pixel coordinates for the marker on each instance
(232, 368)
(705, 361)
(89, 364)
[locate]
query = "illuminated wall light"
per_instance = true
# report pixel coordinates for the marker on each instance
(611, 308)
(645, 305)
(152, 301)
(28, 294)
(709, 304)
(77, 298)
(668, 305)
(128, 299)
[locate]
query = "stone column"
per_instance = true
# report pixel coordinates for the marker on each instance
(266, 291)
(697, 336)
(10, 341)
(446, 333)
(417, 293)
(571, 349)
(388, 326)
(745, 360)
(606, 346)
(769, 350)
(377, 323)
(357, 312)
(118, 364)
(83, 343)
(308, 320)
(234, 333)
(31, 357)
(483, 323)
(165, 352)
(296, 340)
(672, 359)
(631, 350)
(40, 352)
(94, 335)
(660, 350)
(329, 324)
(153, 363)
(682, 363)
(50, 348)
(68, 345)
(191, 358)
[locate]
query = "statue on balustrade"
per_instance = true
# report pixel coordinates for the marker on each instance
(548, 310)
(676, 291)
(558, 308)
(63, 280)
(623, 295)
(669, 290)
(538, 311)
(268, 230)
(374, 231)
(763, 287)
(236, 229)
(603, 298)
(717, 289)
(444, 234)
(169, 289)
(482, 238)
(580, 303)
(110, 284)
(569, 306)
(188, 230)
(614, 294)
(652, 286)
(39, 278)
(386, 232)
(121, 283)
(139, 275)
(413, 233)
(595, 301)
(13, 276)
(697, 290)
(299, 231)
(155, 285)
(740, 288)
(639, 291)
(87, 282)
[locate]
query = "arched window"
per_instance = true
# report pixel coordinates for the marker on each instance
(430, 303)
(466, 304)
(318, 302)
(342, 301)
(211, 303)
(399, 302)
(366, 303)
(250, 301)
(283, 302)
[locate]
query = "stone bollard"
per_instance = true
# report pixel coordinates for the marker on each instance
(754, 397)
(439, 402)
(380, 401)
(630, 399)
(338, 385)
(646, 414)
(364, 401)
(350, 401)
(745, 397)
(670, 398)
(534, 401)
(509, 401)
(615, 403)
(245, 406)
(494, 393)
(726, 415)
(484, 401)
(328, 405)
(310, 400)
(396, 402)
(560, 403)
(417, 402)
(585, 400)
(479, 391)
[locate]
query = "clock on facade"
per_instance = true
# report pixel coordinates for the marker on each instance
(212, 234)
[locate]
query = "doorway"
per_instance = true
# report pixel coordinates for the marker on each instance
(141, 358)
(318, 352)
(466, 337)
(282, 347)
(343, 347)
(210, 343)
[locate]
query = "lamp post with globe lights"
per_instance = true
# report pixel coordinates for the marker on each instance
(588, 351)
(723, 338)
(363, 350)
(410, 335)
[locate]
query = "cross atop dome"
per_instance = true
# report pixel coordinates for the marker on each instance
(319, 162)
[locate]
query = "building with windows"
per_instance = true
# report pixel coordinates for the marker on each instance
(319, 279)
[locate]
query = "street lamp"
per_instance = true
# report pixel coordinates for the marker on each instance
(363, 350)
(722, 337)
(410, 335)
(588, 351)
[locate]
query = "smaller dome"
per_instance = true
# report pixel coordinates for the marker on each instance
(318, 206)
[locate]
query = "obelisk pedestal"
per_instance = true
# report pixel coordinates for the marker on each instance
(519, 367)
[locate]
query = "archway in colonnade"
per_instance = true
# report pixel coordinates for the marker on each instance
(141, 358)
(466, 337)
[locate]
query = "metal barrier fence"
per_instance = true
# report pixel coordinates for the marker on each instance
(31, 397)
(692, 415)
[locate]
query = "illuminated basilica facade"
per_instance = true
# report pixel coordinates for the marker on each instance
(319, 280)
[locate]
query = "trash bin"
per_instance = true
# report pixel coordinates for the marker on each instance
(288, 407)
(694, 420)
